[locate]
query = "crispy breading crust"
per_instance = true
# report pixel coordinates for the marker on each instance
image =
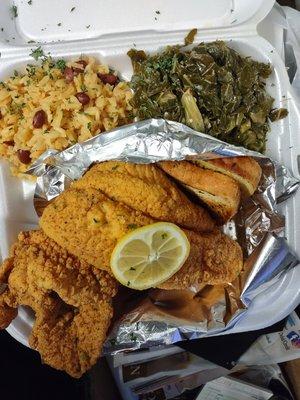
(70, 298)
(89, 224)
(214, 259)
(145, 188)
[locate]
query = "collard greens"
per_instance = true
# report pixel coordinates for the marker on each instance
(210, 88)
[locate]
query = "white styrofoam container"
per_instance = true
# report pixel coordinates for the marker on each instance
(107, 30)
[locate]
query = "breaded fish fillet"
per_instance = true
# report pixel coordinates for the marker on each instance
(219, 192)
(214, 259)
(70, 298)
(89, 225)
(145, 188)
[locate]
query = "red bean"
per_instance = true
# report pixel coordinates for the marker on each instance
(79, 70)
(108, 78)
(69, 74)
(83, 98)
(39, 119)
(9, 142)
(24, 156)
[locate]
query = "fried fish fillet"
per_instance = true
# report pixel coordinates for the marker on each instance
(145, 188)
(219, 192)
(244, 170)
(89, 225)
(214, 259)
(70, 298)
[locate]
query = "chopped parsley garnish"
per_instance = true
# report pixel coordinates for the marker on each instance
(132, 269)
(37, 53)
(59, 24)
(128, 283)
(61, 64)
(83, 87)
(132, 226)
(164, 235)
(89, 126)
(72, 9)
(29, 2)
(114, 167)
(88, 26)
(14, 11)
(16, 73)
(157, 12)
(95, 220)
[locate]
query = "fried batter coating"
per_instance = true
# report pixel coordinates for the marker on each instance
(70, 298)
(89, 224)
(145, 188)
(214, 259)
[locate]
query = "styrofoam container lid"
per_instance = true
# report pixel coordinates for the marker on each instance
(56, 20)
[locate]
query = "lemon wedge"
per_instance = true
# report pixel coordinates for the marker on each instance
(150, 255)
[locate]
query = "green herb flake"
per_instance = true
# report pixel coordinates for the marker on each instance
(88, 26)
(16, 73)
(132, 226)
(60, 64)
(132, 269)
(14, 11)
(89, 126)
(95, 220)
(128, 283)
(37, 53)
(114, 167)
(83, 87)
(72, 9)
(29, 2)
(164, 235)
(59, 24)
(157, 12)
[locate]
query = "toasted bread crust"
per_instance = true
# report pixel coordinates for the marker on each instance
(219, 192)
(245, 170)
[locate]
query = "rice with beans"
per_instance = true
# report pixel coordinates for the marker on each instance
(55, 105)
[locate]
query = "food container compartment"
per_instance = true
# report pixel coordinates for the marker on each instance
(108, 39)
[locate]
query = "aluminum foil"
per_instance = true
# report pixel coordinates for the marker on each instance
(163, 317)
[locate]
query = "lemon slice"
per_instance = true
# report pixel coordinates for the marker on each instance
(149, 255)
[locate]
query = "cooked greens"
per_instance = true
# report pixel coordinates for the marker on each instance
(211, 88)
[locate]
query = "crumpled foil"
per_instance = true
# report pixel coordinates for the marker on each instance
(160, 317)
